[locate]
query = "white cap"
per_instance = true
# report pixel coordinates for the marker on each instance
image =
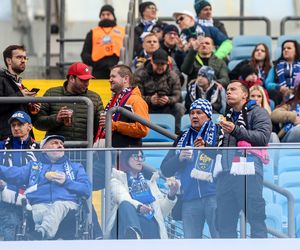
(51, 137)
(184, 12)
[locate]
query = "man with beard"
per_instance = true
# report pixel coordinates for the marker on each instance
(15, 59)
(102, 45)
(161, 87)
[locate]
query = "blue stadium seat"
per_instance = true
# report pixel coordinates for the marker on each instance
(268, 195)
(241, 53)
(167, 121)
(154, 157)
(274, 216)
(298, 226)
(288, 163)
(282, 200)
(289, 179)
(251, 40)
(232, 64)
(185, 122)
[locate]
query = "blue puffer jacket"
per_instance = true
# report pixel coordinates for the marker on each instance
(49, 191)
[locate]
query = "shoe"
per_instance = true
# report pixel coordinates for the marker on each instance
(35, 235)
(132, 233)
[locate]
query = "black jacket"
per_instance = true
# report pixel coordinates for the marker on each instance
(8, 87)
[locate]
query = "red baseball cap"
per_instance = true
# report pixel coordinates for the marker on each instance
(80, 70)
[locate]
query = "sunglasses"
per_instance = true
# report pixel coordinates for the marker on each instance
(179, 20)
(138, 157)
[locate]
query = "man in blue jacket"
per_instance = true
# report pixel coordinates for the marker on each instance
(54, 185)
(194, 169)
(11, 195)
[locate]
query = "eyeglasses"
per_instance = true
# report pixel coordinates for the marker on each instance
(179, 20)
(25, 58)
(137, 157)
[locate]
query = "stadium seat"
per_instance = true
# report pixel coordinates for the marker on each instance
(274, 216)
(167, 121)
(185, 122)
(288, 163)
(298, 226)
(241, 53)
(268, 195)
(232, 64)
(282, 200)
(251, 40)
(154, 157)
(289, 179)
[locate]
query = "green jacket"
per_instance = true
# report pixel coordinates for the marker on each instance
(46, 119)
(192, 63)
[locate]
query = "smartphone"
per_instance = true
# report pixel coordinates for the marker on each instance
(35, 90)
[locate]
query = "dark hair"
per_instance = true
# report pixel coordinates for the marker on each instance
(124, 158)
(7, 53)
(244, 87)
(125, 70)
(267, 61)
(297, 50)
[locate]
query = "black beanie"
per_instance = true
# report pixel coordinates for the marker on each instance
(247, 70)
(109, 8)
(144, 5)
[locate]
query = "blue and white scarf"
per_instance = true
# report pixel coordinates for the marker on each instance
(289, 125)
(286, 73)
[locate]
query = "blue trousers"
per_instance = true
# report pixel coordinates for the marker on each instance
(128, 217)
(194, 215)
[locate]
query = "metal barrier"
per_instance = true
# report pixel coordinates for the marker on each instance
(286, 19)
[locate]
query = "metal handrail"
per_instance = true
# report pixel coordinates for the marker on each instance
(291, 205)
(286, 19)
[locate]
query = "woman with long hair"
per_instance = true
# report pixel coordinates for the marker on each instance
(257, 93)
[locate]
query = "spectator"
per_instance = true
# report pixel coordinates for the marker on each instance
(148, 12)
(260, 60)
(125, 132)
(190, 30)
(11, 195)
(150, 44)
(54, 185)
(102, 45)
(171, 43)
(280, 80)
(70, 120)
(288, 114)
(206, 88)
(258, 94)
(204, 15)
(140, 205)
(239, 186)
(161, 87)
(194, 169)
(158, 31)
(201, 54)
(15, 59)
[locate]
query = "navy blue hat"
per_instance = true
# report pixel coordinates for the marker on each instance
(108, 8)
(51, 137)
(204, 105)
(21, 116)
(170, 28)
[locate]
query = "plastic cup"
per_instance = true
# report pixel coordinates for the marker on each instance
(68, 120)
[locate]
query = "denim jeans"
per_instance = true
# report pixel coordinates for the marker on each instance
(236, 193)
(128, 217)
(194, 215)
(293, 135)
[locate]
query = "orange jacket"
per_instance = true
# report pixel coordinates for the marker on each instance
(124, 127)
(106, 41)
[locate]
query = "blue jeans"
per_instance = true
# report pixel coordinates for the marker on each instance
(194, 215)
(128, 217)
(293, 135)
